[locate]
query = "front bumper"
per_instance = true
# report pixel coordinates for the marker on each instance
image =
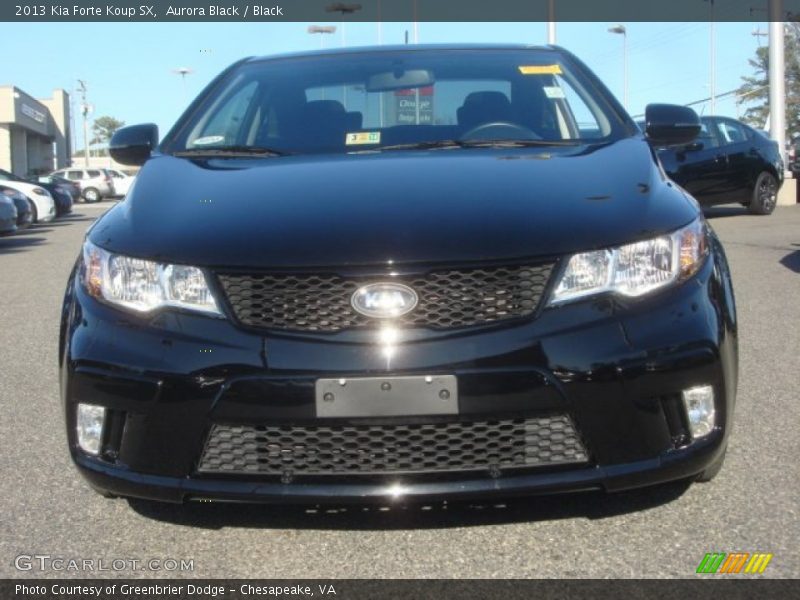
(614, 368)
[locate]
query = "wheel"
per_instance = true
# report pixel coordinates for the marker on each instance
(34, 212)
(91, 195)
(713, 469)
(765, 195)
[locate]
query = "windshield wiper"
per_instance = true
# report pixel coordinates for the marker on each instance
(230, 151)
(424, 145)
(477, 144)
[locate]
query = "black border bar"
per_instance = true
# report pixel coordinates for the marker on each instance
(320, 11)
(710, 586)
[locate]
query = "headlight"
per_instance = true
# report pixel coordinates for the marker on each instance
(143, 285)
(634, 269)
(39, 191)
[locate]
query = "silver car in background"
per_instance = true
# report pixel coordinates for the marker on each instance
(96, 184)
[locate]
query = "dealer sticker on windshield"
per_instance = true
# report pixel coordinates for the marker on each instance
(366, 137)
(540, 69)
(554, 92)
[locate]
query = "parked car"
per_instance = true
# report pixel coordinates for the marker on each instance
(44, 207)
(302, 302)
(71, 187)
(122, 181)
(728, 162)
(24, 210)
(62, 196)
(95, 184)
(8, 215)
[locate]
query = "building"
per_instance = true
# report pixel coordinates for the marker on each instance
(34, 134)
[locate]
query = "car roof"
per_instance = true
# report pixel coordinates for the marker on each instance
(353, 50)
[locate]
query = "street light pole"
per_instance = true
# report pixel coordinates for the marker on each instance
(622, 30)
(85, 111)
(343, 9)
(321, 29)
(551, 21)
(777, 71)
(183, 72)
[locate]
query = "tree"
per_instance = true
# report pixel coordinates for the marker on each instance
(754, 91)
(104, 128)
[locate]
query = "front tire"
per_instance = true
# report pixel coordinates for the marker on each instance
(765, 195)
(34, 212)
(91, 195)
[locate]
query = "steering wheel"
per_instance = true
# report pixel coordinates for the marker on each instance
(500, 130)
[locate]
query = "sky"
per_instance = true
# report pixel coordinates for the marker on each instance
(129, 67)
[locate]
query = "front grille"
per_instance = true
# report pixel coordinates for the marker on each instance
(393, 448)
(447, 299)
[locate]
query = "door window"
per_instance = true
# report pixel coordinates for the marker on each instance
(732, 132)
(707, 135)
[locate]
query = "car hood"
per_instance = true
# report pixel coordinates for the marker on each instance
(435, 206)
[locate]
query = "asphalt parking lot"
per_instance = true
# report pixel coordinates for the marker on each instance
(661, 532)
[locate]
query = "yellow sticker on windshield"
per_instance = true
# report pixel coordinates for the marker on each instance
(540, 69)
(366, 137)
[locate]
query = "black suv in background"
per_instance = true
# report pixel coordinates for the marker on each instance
(399, 273)
(728, 162)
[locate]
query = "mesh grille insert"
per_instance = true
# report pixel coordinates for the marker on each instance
(394, 448)
(447, 299)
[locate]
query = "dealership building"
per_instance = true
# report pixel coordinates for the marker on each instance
(34, 133)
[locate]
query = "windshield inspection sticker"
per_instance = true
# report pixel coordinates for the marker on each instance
(553, 91)
(540, 69)
(209, 139)
(366, 137)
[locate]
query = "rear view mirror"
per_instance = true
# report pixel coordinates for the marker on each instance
(399, 80)
(133, 145)
(670, 124)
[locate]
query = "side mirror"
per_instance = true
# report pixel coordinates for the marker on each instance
(670, 124)
(133, 145)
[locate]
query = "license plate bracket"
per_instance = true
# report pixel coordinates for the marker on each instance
(387, 396)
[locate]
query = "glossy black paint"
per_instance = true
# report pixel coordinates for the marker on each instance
(716, 170)
(133, 145)
(612, 364)
(669, 125)
(493, 204)
(53, 181)
(62, 199)
(24, 211)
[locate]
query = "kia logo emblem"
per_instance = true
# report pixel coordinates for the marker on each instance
(384, 300)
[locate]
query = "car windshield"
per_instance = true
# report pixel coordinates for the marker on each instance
(396, 100)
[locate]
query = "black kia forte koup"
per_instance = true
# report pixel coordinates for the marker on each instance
(399, 273)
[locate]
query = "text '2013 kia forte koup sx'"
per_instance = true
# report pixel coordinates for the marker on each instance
(399, 273)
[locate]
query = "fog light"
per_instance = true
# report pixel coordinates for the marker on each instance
(699, 403)
(90, 427)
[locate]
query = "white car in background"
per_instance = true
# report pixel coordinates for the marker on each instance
(44, 207)
(122, 181)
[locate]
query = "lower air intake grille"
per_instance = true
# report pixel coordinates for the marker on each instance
(395, 448)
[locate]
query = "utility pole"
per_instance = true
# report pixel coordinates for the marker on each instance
(777, 71)
(85, 112)
(551, 21)
(713, 52)
(622, 30)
